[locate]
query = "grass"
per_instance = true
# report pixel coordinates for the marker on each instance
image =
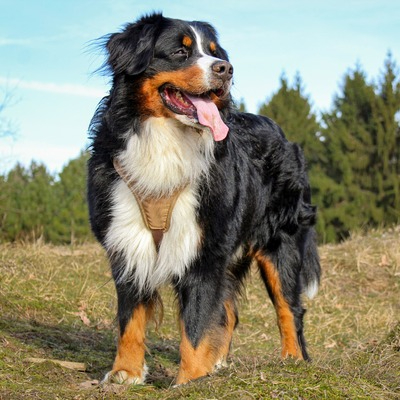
(59, 303)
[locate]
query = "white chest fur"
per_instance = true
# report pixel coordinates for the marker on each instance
(164, 156)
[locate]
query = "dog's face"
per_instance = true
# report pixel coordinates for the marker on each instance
(181, 70)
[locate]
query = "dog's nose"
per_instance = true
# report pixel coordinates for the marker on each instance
(223, 69)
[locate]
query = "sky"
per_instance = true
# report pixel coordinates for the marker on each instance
(47, 62)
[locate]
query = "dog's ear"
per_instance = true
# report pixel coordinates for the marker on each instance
(131, 50)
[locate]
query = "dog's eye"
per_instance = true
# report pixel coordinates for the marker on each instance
(181, 53)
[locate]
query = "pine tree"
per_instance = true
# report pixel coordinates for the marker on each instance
(36, 204)
(350, 139)
(27, 208)
(40, 200)
(71, 221)
(13, 186)
(387, 142)
(290, 108)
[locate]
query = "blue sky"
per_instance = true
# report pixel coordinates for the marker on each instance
(47, 65)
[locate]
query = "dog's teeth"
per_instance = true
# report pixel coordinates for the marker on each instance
(181, 98)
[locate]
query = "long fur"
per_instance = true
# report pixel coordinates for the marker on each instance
(245, 197)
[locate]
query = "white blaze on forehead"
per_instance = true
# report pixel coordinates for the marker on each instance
(199, 42)
(205, 61)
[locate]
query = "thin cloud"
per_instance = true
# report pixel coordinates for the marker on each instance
(34, 41)
(15, 42)
(63, 88)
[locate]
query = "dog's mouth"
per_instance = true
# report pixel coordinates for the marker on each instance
(198, 108)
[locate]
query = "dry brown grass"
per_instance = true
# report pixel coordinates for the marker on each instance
(59, 303)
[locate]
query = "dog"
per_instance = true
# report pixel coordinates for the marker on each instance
(184, 189)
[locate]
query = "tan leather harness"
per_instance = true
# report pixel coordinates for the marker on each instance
(156, 211)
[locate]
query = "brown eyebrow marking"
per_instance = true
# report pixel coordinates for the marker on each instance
(213, 47)
(187, 41)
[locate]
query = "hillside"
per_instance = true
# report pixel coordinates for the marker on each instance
(59, 303)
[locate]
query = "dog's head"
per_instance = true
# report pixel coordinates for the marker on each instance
(177, 68)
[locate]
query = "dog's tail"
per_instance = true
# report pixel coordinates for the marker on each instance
(311, 270)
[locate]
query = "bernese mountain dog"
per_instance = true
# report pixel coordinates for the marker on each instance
(184, 189)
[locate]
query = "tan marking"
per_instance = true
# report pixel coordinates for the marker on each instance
(195, 362)
(131, 345)
(287, 328)
(187, 41)
(228, 332)
(190, 79)
(212, 351)
(213, 47)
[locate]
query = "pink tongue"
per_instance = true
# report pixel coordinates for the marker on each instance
(208, 115)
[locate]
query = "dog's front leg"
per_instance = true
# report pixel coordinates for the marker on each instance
(207, 321)
(133, 314)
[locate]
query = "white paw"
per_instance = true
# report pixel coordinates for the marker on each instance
(220, 364)
(125, 378)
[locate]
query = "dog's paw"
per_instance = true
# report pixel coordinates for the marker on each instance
(123, 377)
(221, 363)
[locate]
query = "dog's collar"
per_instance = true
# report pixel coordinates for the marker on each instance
(156, 212)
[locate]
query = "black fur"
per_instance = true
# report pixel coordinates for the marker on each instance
(257, 196)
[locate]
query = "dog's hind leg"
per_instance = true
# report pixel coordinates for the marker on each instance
(285, 296)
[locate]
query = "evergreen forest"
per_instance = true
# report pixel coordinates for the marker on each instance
(352, 152)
